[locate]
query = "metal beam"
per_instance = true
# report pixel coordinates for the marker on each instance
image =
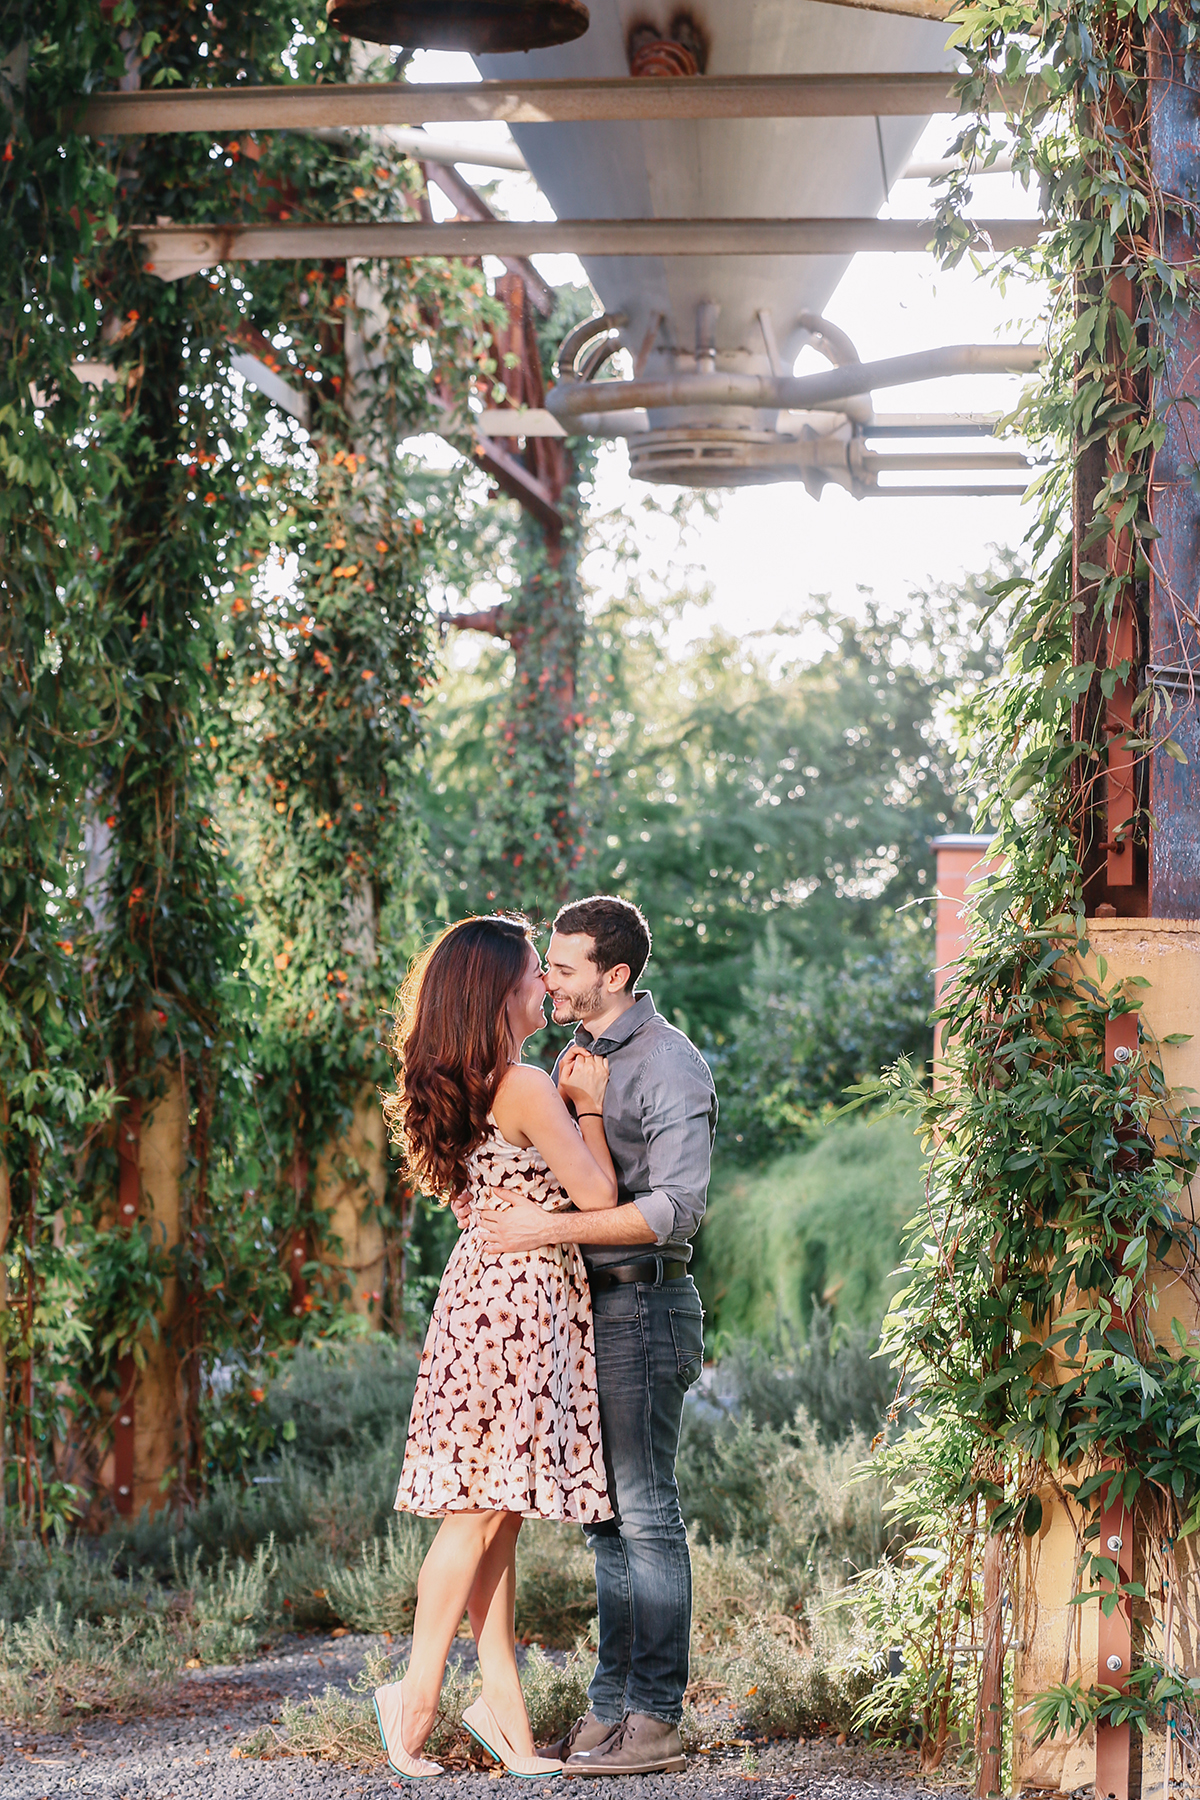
(514, 479)
(461, 194)
(177, 250)
(833, 96)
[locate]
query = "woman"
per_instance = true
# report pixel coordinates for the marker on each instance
(505, 1423)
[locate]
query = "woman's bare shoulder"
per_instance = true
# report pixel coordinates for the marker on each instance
(525, 1082)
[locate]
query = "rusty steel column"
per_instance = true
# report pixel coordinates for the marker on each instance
(1174, 503)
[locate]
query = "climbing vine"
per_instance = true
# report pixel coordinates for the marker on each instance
(205, 840)
(1041, 1372)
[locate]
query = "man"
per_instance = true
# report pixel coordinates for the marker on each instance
(660, 1113)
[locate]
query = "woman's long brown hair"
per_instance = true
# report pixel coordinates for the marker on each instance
(452, 1046)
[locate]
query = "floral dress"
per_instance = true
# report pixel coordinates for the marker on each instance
(505, 1415)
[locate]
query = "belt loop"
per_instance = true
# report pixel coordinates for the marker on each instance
(658, 1271)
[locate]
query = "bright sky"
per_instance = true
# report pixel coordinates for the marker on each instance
(770, 548)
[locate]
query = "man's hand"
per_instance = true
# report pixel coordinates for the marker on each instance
(460, 1206)
(522, 1225)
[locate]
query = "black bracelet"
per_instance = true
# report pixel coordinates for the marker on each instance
(589, 1115)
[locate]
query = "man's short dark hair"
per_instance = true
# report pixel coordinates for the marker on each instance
(617, 929)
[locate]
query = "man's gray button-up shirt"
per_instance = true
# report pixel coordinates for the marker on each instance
(660, 1117)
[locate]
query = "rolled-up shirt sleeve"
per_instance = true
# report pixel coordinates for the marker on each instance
(678, 1110)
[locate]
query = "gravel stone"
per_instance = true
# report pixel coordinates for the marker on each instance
(182, 1752)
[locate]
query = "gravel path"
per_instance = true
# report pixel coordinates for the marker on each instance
(183, 1752)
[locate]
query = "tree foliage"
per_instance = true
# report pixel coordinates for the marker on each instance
(731, 792)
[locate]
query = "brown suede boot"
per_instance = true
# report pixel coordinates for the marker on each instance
(587, 1733)
(643, 1745)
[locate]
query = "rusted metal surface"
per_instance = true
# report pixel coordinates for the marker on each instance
(532, 102)
(1175, 505)
(475, 25)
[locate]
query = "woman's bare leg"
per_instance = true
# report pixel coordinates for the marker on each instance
(490, 1609)
(444, 1586)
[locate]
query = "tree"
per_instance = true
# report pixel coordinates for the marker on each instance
(731, 791)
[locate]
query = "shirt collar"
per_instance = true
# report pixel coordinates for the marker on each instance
(622, 1029)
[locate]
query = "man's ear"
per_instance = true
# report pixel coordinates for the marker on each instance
(617, 977)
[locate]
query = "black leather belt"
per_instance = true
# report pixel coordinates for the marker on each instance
(654, 1270)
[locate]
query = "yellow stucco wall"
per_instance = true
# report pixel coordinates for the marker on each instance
(1060, 1641)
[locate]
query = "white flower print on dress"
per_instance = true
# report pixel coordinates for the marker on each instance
(505, 1414)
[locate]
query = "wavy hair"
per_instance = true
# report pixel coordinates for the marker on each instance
(451, 1045)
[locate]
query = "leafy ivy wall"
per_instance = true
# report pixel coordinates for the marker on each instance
(1056, 1176)
(206, 841)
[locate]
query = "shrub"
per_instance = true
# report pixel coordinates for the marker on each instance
(834, 1375)
(556, 1584)
(343, 1398)
(555, 1694)
(809, 1030)
(53, 1667)
(231, 1606)
(782, 1689)
(379, 1591)
(820, 1225)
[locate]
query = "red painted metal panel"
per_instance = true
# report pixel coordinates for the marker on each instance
(129, 1193)
(1115, 1652)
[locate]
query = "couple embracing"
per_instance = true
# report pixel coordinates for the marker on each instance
(566, 1330)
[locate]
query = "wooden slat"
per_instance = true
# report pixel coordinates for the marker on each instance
(173, 251)
(331, 104)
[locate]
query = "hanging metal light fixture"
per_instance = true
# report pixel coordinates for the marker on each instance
(483, 26)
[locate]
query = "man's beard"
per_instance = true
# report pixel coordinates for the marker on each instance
(579, 1007)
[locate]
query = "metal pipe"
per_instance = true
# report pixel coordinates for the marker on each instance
(420, 144)
(951, 491)
(932, 425)
(611, 425)
(581, 335)
(442, 150)
(829, 339)
(877, 462)
(792, 392)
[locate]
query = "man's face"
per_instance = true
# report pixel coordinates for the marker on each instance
(575, 985)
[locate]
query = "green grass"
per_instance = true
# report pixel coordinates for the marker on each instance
(823, 1221)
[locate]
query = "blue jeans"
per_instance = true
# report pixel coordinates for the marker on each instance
(649, 1351)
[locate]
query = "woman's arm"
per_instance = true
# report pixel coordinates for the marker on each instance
(528, 1108)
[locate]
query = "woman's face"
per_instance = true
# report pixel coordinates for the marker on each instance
(527, 1002)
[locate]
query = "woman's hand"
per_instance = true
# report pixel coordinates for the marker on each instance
(582, 1079)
